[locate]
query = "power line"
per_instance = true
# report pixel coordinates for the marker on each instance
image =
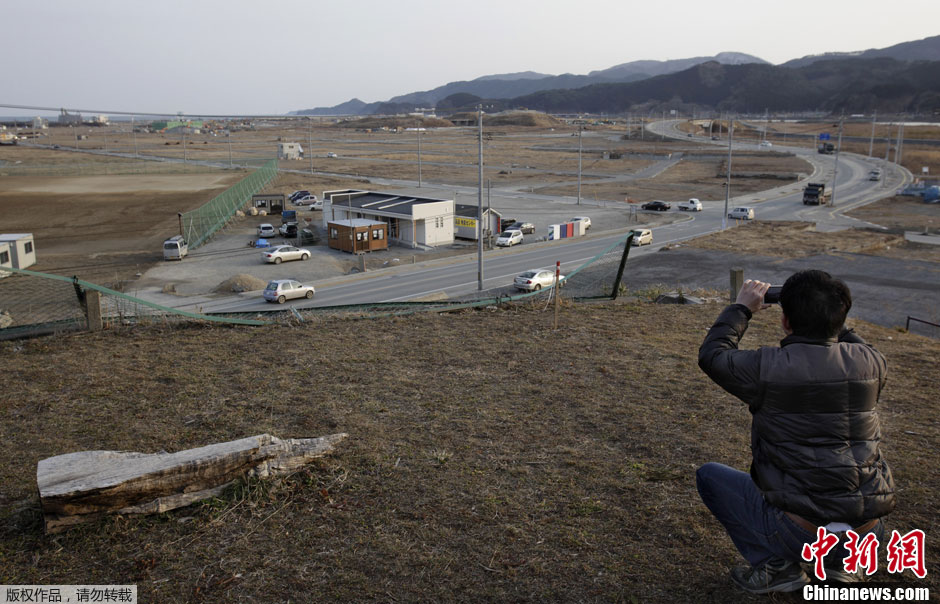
(153, 113)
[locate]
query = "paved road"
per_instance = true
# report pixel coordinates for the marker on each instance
(458, 276)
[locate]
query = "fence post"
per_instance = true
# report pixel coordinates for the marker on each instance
(737, 282)
(93, 309)
(623, 263)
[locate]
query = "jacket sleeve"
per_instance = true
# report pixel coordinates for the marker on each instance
(737, 371)
(850, 337)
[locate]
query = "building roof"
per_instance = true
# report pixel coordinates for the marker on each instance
(14, 236)
(470, 211)
(356, 222)
(380, 204)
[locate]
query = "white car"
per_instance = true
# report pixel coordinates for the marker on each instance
(585, 219)
(509, 238)
(692, 205)
(766, 144)
(281, 290)
(642, 237)
(266, 230)
(741, 213)
(304, 200)
(331, 154)
(535, 279)
(284, 253)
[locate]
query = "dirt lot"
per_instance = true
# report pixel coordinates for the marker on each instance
(540, 466)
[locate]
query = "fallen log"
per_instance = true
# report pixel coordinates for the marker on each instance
(79, 487)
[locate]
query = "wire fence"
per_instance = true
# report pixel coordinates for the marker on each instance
(199, 224)
(34, 303)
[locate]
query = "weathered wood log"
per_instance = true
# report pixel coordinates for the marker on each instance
(82, 486)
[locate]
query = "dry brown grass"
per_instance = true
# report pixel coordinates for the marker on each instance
(794, 240)
(532, 465)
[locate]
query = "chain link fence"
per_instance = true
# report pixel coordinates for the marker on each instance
(34, 303)
(199, 224)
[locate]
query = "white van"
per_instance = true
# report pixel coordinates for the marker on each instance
(175, 248)
(642, 237)
(741, 213)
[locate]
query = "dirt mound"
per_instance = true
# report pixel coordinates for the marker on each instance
(523, 118)
(512, 118)
(394, 122)
(240, 283)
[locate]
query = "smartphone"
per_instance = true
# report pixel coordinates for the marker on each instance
(773, 295)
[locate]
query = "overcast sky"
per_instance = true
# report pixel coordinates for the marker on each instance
(276, 56)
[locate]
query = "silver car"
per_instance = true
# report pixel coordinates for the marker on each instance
(283, 253)
(281, 290)
(535, 279)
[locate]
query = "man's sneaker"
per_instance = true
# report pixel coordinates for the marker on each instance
(776, 575)
(838, 575)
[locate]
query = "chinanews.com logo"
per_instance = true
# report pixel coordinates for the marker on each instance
(904, 552)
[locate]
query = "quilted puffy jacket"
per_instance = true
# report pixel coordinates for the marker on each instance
(815, 432)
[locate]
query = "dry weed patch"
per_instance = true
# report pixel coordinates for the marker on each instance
(489, 458)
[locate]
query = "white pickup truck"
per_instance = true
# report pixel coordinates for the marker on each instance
(692, 205)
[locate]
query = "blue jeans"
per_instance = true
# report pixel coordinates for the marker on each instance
(760, 531)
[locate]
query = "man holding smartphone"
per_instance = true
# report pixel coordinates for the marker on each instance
(815, 433)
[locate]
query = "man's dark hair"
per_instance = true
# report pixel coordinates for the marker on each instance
(815, 303)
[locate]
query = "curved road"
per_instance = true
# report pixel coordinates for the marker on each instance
(457, 276)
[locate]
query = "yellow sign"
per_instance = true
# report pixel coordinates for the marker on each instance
(466, 222)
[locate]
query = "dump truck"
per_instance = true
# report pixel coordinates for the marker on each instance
(816, 194)
(826, 148)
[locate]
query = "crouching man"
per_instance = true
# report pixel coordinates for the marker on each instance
(815, 433)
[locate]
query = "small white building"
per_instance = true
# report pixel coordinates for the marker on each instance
(21, 249)
(100, 120)
(290, 151)
(40, 123)
(412, 221)
(6, 258)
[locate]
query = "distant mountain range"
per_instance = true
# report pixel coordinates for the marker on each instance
(887, 79)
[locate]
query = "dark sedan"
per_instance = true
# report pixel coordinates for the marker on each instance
(656, 206)
(525, 227)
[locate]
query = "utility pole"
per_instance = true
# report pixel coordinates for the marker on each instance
(580, 128)
(480, 202)
(663, 131)
(309, 142)
(134, 130)
(418, 129)
(724, 216)
(898, 150)
(230, 151)
(835, 169)
(871, 141)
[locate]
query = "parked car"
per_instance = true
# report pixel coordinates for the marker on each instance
(714, 138)
(535, 279)
(509, 238)
(657, 206)
(875, 174)
(281, 290)
(505, 223)
(586, 220)
(525, 227)
(288, 229)
(303, 200)
(284, 253)
(692, 205)
(266, 230)
(741, 213)
(298, 194)
(331, 154)
(642, 237)
(766, 144)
